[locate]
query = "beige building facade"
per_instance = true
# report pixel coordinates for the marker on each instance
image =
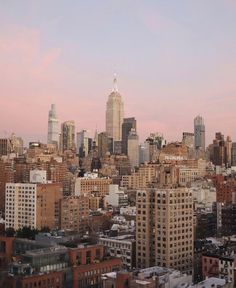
(74, 213)
(87, 185)
(146, 174)
(32, 205)
(114, 114)
(164, 228)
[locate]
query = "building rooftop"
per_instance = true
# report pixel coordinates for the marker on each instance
(145, 276)
(120, 237)
(157, 271)
(92, 175)
(51, 250)
(210, 283)
(142, 282)
(109, 275)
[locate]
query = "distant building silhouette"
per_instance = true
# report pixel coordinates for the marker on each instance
(114, 114)
(53, 126)
(199, 133)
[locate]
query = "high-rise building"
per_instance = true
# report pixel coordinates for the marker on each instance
(82, 143)
(53, 126)
(13, 144)
(117, 147)
(32, 205)
(218, 155)
(233, 154)
(164, 228)
(105, 144)
(5, 146)
(114, 114)
(133, 148)
(74, 213)
(156, 142)
(228, 151)
(199, 133)
(144, 152)
(95, 139)
(127, 125)
(6, 176)
(221, 150)
(188, 139)
(68, 135)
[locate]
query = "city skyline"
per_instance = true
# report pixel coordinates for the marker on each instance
(165, 58)
(105, 187)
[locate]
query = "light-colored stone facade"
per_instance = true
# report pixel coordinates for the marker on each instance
(164, 228)
(114, 115)
(32, 205)
(86, 186)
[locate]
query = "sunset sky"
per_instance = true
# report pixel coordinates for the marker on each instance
(173, 59)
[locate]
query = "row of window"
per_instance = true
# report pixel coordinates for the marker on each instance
(43, 283)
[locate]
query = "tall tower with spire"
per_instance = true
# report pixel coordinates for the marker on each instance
(199, 133)
(53, 126)
(114, 113)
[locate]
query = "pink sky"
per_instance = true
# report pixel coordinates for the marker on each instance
(170, 66)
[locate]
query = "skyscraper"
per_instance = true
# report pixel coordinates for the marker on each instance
(144, 153)
(53, 126)
(164, 228)
(105, 144)
(82, 143)
(114, 114)
(199, 133)
(133, 148)
(221, 150)
(233, 154)
(127, 125)
(68, 135)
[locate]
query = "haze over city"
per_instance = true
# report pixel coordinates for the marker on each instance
(173, 59)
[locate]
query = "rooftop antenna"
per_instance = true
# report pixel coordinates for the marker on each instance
(115, 87)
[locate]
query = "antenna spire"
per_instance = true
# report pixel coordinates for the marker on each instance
(115, 87)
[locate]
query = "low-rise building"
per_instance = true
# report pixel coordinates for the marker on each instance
(116, 197)
(129, 210)
(227, 266)
(21, 275)
(95, 202)
(89, 262)
(58, 267)
(145, 175)
(92, 183)
(6, 249)
(204, 195)
(210, 265)
(151, 277)
(122, 247)
(213, 282)
(187, 175)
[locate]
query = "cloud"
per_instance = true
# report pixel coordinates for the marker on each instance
(231, 3)
(20, 41)
(153, 20)
(46, 61)
(27, 72)
(22, 50)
